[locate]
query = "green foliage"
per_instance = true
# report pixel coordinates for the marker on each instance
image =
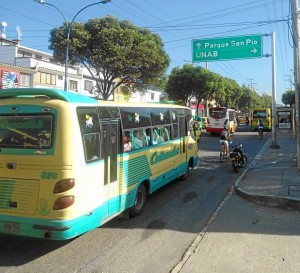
(288, 98)
(119, 52)
(126, 92)
(203, 85)
(199, 83)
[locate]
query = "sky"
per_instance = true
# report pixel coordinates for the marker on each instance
(178, 23)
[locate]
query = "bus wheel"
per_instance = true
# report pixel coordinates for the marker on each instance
(186, 174)
(139, 202)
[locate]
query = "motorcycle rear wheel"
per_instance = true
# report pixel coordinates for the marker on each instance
(243, 163)
(235, 166)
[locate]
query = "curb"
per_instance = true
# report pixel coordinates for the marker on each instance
(270, 200)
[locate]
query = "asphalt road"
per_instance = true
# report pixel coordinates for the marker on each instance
(152, 242)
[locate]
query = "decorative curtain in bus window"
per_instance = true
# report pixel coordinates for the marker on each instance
(160, 116)
(134, 117)
(26, 131)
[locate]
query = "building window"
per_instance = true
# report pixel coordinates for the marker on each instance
(25, 80)
(73, 85)
(152, 96)
(88, 85)
(46, 78)
(24, 54)
(39, 57)
(60, 77)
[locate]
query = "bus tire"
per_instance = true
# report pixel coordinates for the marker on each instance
(186, 174)
(139, 201)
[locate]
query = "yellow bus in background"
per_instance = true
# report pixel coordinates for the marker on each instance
(69, 163)
(264, 114)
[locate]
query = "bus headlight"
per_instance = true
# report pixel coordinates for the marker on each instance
(64, 185)
(63, 202)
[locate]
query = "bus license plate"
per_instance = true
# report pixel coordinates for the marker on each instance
(11, 227)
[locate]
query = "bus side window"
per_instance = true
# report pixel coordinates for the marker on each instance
(155, 137)
(148, 136)
(92, 146)
(166, 134)
(137, 141)
(175, 131)
(127, 142)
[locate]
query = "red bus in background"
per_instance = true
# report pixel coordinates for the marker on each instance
(218, 117)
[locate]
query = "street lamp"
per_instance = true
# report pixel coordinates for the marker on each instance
(69, 27)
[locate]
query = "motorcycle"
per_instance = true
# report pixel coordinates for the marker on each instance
(237, 157)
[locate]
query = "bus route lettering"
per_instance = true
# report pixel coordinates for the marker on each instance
(158, 157)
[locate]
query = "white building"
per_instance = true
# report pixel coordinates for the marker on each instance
(45, 71)
(26, 67)
(145, 96)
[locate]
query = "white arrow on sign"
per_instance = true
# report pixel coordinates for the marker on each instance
(254, 50)
(199, 45)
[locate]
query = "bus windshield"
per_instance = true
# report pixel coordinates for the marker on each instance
(259, 114)
(26, 131)
(217, 112)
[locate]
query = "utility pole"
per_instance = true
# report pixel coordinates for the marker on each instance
(251, 83)
(274, 144)
(289, 80)
(296, 32)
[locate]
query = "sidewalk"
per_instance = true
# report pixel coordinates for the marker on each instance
(247, 237)
(272, 178)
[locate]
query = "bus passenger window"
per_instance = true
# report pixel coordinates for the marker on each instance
(137, 140)
(127, 142)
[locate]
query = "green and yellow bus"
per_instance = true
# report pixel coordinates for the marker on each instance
(264, 114)
(64, 169)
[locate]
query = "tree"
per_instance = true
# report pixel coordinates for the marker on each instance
(247, 100)
(116, 53)
(180, 85)
(288, 98)
(216, 88)
(266, 100)
(232, 93)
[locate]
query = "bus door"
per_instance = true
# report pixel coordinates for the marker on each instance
(110, 149)
(182, 134)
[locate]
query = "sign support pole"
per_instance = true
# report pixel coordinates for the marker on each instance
(274, 136)
(296, 29)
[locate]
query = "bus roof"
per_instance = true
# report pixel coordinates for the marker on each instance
(72, 97)
(47, 92)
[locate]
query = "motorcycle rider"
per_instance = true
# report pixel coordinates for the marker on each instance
(225, 138)
(260, 126)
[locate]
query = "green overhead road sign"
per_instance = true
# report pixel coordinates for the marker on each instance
(227, 48)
